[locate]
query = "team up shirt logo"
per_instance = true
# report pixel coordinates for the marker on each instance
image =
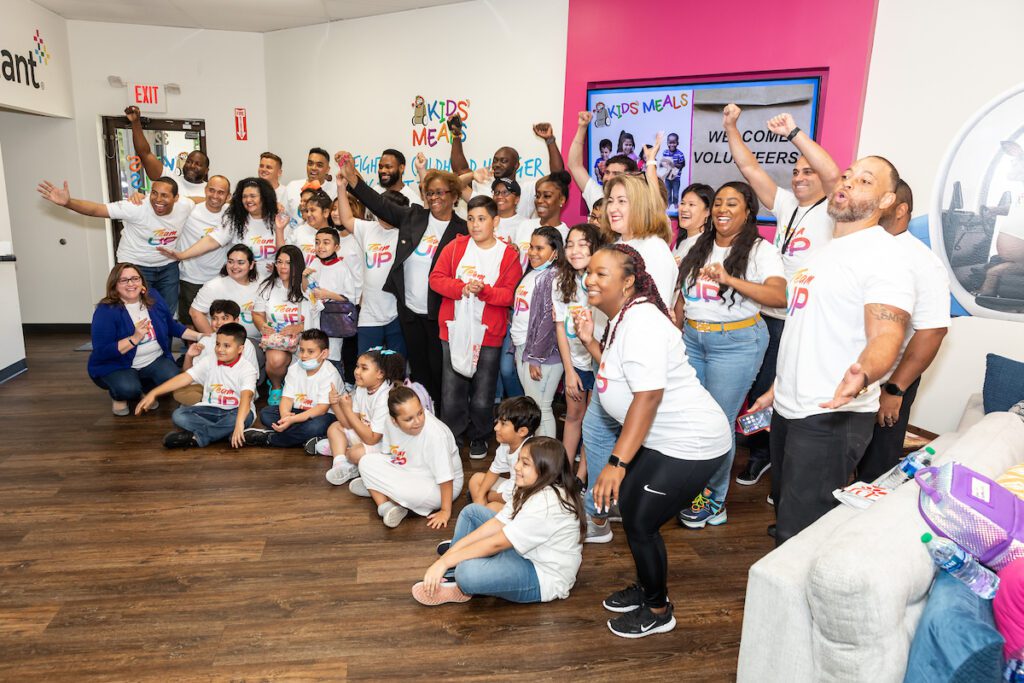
(150, 335)
(600, 381)
(398, 456)
(570, 327)
(221, 395)
(702, 289)
(161, 237)
(798, 242)
(246, 316)
(468, 273)
(799, 290)
(522, 304)
(263, 249)
(309, 251)
(377, 255)
(286, 314)
(428, 245)
(302, 402)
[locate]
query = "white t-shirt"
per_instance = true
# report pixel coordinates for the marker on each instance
(377, 244)
(504, 462)
(257, 237)
(703, 301)
(547, 535)
(660, 262)
(680, 251)
(223, 384)
(293, 193)
(527, 207)
(563, 312)
(308, 391)
(523, 235)
(648, 354)
(202, 222)
(372, 409)
(931, 290)
(303, 237)
(273, 303)
(417, 266)
(147, 350)
(507, 227)
(410, 190)
(282, 196)
(481, 264)
(813, 230)
(431, 454)
(225, 288)
(344, 276)
(144, 231)
(592, 192)
(521, 307)
(824, 333)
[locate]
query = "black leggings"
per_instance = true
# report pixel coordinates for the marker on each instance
(655, 488)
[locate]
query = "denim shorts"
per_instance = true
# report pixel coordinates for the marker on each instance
(587, 378)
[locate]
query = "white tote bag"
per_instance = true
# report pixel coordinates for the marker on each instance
(466, 335)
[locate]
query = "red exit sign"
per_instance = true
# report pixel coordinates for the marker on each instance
(147, 97)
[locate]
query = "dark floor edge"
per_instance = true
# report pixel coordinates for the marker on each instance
(56, 327)
(13, 370)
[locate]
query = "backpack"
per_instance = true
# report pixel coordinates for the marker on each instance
(423, 395)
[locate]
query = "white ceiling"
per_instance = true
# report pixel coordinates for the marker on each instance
(230, 15)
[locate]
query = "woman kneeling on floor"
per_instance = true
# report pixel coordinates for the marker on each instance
(528, 552)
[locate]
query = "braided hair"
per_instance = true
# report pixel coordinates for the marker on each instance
(644, 288)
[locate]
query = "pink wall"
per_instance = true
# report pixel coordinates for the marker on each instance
(688, 38)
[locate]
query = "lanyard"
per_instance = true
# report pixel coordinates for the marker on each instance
(791, 228)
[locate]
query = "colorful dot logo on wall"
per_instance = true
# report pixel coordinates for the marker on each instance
(42, 54)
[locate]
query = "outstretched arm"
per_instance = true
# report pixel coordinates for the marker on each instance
(547, 134)
(762, 183)
(578, 169)
(154, 167)
(816, 156)
(61, 196)
(459, 162)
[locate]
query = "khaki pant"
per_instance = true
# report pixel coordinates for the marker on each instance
(190, 395)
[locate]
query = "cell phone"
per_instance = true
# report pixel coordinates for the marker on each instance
(752, 423)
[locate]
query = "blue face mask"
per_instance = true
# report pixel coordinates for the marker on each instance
(311, 364)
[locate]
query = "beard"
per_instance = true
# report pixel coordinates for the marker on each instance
(192, 175)
(386, 179)
(853, 211)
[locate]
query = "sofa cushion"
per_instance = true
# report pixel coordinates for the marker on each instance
(1004, 383)
(956, 639)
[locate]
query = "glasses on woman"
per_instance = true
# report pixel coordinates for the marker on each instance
(502, 193)
(431, 194)
(134, 280)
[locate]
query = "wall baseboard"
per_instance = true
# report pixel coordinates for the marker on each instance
(13, 370)
(51, 328)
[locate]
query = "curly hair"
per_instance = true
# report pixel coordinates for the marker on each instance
(644, 288)
(567, 275)
(391, 363)
(236, 217)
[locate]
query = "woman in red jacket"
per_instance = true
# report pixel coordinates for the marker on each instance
(477, 265)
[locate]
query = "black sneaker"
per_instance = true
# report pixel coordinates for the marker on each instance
(642, 622)
(771, 530)
(625, 600)
(478, 449)
(180, 440)
(257, 437)
(310, 446)
(753, 472)
(443, 546)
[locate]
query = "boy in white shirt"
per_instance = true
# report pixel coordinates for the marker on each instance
(516, 420)
(222, 312)
(336, 275)
(229, 384)
(304, 412)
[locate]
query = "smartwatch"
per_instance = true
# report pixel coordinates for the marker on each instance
(793, 133)
(614, 461)
(893, 389)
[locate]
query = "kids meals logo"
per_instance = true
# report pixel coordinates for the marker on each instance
(21, 69)
(430, 120)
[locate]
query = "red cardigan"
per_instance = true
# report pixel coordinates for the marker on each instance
(497, 298)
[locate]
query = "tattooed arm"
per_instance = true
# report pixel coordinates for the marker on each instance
(884, 327)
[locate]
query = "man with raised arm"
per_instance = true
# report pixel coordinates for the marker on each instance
(615, 165)
(505, 164)
(849, 305)
(192, 178)
(803, 227)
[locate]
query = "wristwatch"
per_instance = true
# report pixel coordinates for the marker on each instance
(893, 389)
(614, 461)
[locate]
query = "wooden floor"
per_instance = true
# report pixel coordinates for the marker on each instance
(122, 561)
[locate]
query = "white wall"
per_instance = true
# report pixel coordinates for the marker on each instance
(217, 71)
(934, 64)
(350, 84)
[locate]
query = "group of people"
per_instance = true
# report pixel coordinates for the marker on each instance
(386, 324)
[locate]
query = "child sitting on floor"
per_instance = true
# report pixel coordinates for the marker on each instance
(528, 552)
(304, 411)
(226, 408)
(222, 311)
(418, 467)
(516, 420)
(362, 415)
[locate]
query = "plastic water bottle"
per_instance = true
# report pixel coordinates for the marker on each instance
(961, 564)
(905, 470)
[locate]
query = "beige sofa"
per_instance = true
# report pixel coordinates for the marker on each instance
(841, 600)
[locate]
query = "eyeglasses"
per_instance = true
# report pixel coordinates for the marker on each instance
(437, 193)
(130, 280)
(502, 194)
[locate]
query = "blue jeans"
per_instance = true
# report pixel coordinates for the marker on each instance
(509, 385)
(129, 384)
(208, 423)
(507, 575)
(600, 432)
(165, 280)
(388, 336)
(299, 433)
(726, 364)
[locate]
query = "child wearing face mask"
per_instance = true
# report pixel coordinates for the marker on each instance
(533, 326)
(304, 410)
(417, 469)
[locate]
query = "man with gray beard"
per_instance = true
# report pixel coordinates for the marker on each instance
(848, 309)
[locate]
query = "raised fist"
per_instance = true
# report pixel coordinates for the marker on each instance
(730, 115)
(783, 125)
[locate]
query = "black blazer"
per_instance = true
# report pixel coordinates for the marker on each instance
(411, 222)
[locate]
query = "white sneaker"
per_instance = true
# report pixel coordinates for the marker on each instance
(598, 533)
(341, 472)
(357, 487)
(394, 515)
(120, 408)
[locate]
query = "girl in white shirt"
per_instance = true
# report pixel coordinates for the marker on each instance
(551, 195)
(418, 468)
(694, 217)
(237, 282)
(282, 307)
(673, 434)
(528, 552)
(726, 275)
